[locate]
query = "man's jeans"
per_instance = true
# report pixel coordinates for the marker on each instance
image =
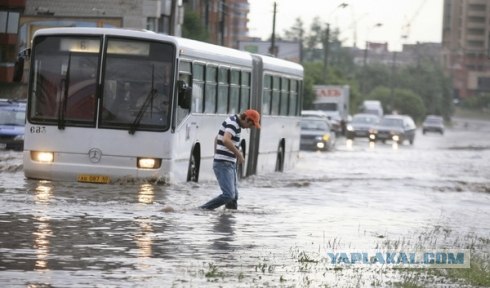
(225, 172)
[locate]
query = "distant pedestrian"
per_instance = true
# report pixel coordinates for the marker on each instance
(227, 155)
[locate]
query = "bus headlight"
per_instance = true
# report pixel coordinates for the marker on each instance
(149, 163)
(43, 157)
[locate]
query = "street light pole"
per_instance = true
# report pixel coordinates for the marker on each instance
(364, 61)
(326, 42)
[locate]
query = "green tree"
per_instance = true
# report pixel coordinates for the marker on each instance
(192, 27)
(400, 101)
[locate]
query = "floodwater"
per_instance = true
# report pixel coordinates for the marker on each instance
(434, 194)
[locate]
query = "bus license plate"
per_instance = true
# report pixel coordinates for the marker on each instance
(94, 179)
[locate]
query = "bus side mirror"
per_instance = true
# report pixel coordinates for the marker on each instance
(185, 94)
(19, 64)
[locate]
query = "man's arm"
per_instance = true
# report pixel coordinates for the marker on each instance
(229, 144)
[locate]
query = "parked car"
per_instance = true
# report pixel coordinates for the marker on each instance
(12, 123)
(316, 134)
(360, 125)
(397, 128)
(433, 123)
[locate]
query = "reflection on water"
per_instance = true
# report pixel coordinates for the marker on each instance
(43, 192)
(146, 194)
(224, 231)
(42, 236)
(372, 145)
(348, 144)
(144, 238)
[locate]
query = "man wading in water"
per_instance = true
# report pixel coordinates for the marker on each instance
(227, 156)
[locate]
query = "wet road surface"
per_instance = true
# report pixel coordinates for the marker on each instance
(433, 194)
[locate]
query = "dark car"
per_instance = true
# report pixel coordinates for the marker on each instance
(433, 123)
(360, 125)
(316, 134)
(396, 128)
(12, 123)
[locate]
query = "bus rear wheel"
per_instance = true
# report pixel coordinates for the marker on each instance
(280, 160)
(193, 170)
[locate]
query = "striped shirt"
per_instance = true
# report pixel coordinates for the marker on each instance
(232, 126)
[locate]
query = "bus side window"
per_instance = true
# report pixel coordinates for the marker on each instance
(276, 93)
(284, 96)
(183, 84)
(210, 89)
(293, 97)
(223, 86)
(244, 91)
(197, 87)
(234, 91)
(267, 94)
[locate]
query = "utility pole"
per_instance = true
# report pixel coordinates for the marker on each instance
(272, 49)
(326, 47)
(393, 79)
(222, 23)
(173, 17)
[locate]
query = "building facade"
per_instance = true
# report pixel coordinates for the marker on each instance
(224, 20)
(20, 19)
(10, 12)
(465, 41)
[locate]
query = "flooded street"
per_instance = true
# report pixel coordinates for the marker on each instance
(434, 194)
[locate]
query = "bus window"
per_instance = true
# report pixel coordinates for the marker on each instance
(185, 76)
(275, 95)
(137, 99)
(284, 96)
(245, 91)
(64, 85)
(267, 94)
(210, 91)
(234, 91)
(293, 98)
(223, 86)
(197, 87)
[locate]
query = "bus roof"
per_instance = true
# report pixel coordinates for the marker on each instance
(280, 65)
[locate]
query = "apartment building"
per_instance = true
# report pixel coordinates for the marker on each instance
(465, 42)
(224, 20)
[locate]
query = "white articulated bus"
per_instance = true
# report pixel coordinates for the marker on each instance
(106, 104)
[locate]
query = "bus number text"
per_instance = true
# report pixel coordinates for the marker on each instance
(38, 129)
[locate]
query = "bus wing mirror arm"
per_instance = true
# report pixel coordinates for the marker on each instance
(19, 64)
(185, 94)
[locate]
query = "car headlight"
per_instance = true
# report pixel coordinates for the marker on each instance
(19, 137)
(318, 138)
(326, 137)
(350, 128)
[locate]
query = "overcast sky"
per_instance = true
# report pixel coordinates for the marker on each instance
(419, 20)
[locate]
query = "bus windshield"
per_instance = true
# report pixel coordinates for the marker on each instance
(135, 90)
